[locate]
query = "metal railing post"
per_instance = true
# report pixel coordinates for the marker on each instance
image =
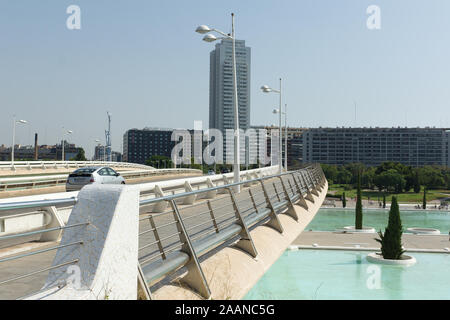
(246, 242)
(157, 238)
(316, 179)
(195, 277)
(276, 192)
(313, 184)
(301, 201)
(253, 200)
(308, 192)
(213, 218)
(274, 222)
(144, 292)
(291, 210)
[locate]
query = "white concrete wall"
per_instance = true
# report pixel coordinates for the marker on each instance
(107, 265)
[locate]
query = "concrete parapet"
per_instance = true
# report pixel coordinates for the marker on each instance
(106, 260)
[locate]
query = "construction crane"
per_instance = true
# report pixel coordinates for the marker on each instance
(108, 138)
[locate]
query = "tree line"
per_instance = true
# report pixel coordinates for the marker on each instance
(389, 176)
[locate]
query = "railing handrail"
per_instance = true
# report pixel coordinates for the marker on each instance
(65, 175)
(37, 204)
(72, 200)
(191, 193)
(38, 163)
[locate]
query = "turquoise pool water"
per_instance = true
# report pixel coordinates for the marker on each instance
(331, 219)
(332, 274)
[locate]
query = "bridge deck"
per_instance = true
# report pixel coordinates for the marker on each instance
(221, 204)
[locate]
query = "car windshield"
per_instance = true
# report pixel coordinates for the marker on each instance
(84, 170)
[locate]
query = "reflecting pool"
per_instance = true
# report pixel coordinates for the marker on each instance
(334, 274)
(332, 219)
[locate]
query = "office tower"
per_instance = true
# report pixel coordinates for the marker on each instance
(221, 108)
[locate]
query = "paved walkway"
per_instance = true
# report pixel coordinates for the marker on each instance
(373, 204)
(410, 241)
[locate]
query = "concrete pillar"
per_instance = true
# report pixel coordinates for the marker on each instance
(105, 265)
(55, 222)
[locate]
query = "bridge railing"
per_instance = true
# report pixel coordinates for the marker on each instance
(26, 215)
(32, 182)
(8, 165)
(182, 231)
(177, 237)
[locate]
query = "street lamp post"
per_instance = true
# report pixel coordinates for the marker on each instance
(63, 134)
(275, 111)
(14, 138)
(211, 38)
(268, 89)
(285, 139)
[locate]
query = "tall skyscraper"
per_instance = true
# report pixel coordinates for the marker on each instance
(221, 109)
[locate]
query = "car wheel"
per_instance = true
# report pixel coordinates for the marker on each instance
(123, 182)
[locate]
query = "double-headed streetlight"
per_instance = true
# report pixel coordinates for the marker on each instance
(275, 111)
(104, 151)
(14, 137)
(64, 132)
(211, 38)
(267, 89)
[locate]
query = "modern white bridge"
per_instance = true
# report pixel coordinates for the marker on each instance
(154, 233)
(43, 165)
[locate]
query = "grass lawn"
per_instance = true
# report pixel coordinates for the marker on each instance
(337, 190)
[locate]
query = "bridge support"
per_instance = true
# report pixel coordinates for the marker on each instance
(55, 222)
(246, 242)
(195, 277)
(162, 205)
(189, 199)
(274, 222)
(210, 194)
(291, 210)
(301, 200)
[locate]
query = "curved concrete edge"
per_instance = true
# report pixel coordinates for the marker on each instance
(377, 258)
(107, 258)
(231, 273)
(424, 231)
(352, 229)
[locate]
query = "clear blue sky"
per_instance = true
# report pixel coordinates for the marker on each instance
(143, 62)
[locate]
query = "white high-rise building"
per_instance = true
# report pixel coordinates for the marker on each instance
(221, 109)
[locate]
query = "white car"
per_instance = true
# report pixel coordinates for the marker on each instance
(88, 175)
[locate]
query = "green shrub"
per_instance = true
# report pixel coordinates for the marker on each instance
(391, 240)
(358, 209)
(424, 203)
(344, 200)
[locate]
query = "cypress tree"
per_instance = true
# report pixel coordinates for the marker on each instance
(416, 183)
(424, 203)
(358, 209)
(384, 201)
(391, 240)
(344, 201)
